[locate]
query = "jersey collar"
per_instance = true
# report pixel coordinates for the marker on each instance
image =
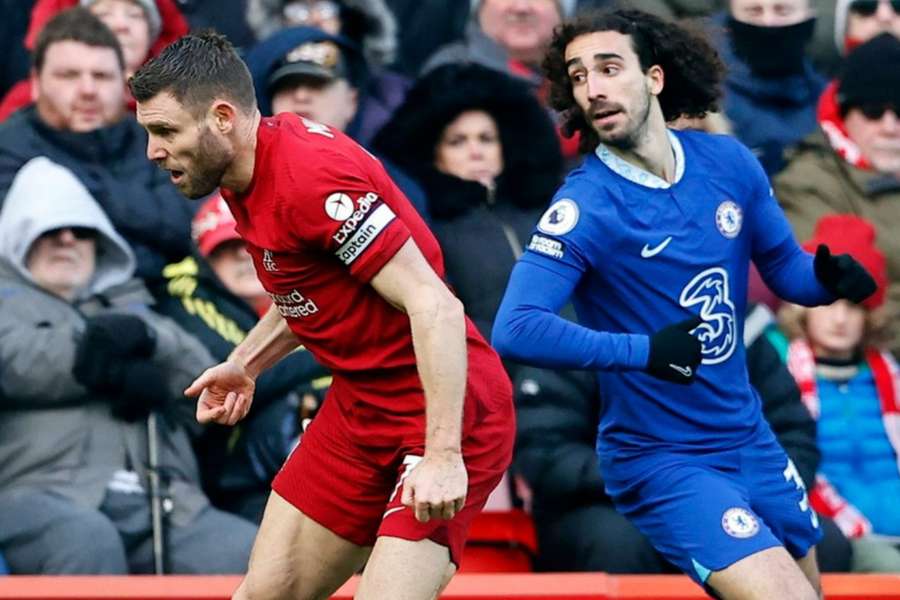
(638, 175)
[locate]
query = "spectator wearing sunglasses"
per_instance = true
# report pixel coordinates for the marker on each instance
(853, 164)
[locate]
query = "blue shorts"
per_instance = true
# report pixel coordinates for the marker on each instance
(705, 512)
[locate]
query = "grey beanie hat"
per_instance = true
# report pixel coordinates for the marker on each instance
(154, 21)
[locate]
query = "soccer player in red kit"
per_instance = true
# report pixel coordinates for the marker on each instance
(418, 426)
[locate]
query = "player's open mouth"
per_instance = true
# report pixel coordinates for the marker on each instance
(605, 116)
(176, 176)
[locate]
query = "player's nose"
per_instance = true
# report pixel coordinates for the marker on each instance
(596, 85)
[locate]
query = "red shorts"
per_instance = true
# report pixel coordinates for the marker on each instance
(343, 482)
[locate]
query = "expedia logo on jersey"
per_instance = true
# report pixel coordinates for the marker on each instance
(352, 223)
(359, 239)
(294, 304)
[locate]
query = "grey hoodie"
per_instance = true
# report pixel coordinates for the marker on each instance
(56, 435)
(46, 196)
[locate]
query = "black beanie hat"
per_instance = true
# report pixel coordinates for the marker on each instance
(871, 74)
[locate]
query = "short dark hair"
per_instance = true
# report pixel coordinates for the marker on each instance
(77, 25)
(692, 67)
(196, 69)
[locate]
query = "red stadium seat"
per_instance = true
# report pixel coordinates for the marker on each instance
(500, 541)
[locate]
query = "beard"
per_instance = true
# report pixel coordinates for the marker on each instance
(212, 160)
(633, 129)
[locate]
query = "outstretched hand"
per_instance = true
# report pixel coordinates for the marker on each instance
(436, 487)
(226, 393)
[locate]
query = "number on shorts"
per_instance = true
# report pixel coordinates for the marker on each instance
(791, 474)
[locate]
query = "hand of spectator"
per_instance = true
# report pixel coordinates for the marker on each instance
(226, 393)
(133, 386)
(843, 276)
(436, 487)
(675, 354)
(122, 334)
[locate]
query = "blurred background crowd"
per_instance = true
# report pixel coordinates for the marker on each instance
(115, 291)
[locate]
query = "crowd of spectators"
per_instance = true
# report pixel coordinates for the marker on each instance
(115, 290)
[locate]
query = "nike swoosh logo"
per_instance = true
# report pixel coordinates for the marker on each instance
(648, 252)
(686, 371)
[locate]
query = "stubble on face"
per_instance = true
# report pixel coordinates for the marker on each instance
(627, 136)
(211, 161)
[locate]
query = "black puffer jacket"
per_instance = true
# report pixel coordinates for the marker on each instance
(481, 232)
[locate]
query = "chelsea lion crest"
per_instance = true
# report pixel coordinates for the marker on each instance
(729, 218)
(740, 523)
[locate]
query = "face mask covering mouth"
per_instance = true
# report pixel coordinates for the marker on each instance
(771, 51)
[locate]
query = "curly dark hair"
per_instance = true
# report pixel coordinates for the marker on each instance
(692, 67)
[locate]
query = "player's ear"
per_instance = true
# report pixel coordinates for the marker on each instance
(655, 79)
(223, 115)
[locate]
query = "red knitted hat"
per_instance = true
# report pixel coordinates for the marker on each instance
(853, 235)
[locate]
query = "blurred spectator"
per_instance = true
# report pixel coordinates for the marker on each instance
(215, 295)
(323, 77)
(510, 36)
(371, 30)
(851, 387)
(771, 89)
(669, 9)
(578, 527)
(141, 27)
(486, 153)
(84, 362)
(79, 121)
(858, 21)
(854, 166)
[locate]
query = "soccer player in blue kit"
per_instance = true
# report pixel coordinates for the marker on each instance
(651, 239)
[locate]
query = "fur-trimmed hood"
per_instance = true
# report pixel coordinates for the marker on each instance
(368, 23)
(531, 154)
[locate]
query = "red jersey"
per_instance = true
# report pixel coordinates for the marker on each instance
(320, 218)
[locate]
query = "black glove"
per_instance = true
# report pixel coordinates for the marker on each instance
(134, 387)
(121, 334)
(674, 353)
(843, 276)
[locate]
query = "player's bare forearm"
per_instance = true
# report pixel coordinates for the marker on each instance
(438, 329)
(268, 342)
(439, 339)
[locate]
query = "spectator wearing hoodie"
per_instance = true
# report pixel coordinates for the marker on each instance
(486, 153)
(771, 89)
(852, 165)
(214, 294)
(323, 77)
(79, 121)
(84, 362)
(851, 387)
(143, 28)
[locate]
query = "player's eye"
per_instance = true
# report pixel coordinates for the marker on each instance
(577, 77)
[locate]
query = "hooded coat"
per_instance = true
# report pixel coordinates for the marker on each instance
(55, 434)
(476, 226)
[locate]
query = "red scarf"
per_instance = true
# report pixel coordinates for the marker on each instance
(824, 498)
(831, 122)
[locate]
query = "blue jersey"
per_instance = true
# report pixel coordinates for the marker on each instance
(635, 254)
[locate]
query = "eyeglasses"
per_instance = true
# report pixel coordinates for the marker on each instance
(874, 112)
(867, 8)
(79, 233)
(303, 12)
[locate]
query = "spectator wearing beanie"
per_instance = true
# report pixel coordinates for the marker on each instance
(853, 164)
(850, 386)
(214, 295)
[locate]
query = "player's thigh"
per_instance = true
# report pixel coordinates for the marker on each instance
(767, 574)
(402, 569)
(295, 557)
